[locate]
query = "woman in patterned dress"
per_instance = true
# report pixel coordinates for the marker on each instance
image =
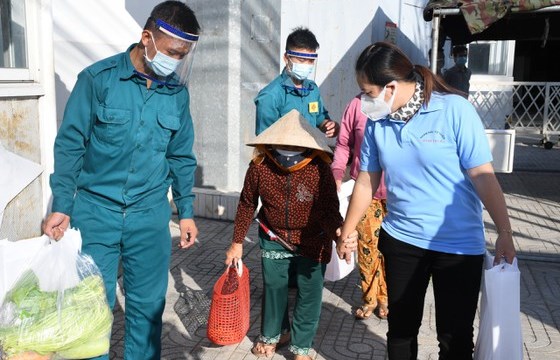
(291, 175)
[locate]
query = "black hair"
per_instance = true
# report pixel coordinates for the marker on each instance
(383, 62)
(301, 38)
(176, 14)
(459, 49)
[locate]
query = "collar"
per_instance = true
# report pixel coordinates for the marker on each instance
(437, 102)
(289, 86)
(128, 72)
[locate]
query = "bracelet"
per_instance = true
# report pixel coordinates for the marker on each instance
(507, 231)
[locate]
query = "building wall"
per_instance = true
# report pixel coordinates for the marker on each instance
(239, 52)
(19, 134)
(27, 123)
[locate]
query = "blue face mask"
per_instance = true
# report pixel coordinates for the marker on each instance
(161, 64)
(461, 60)
(301, 71)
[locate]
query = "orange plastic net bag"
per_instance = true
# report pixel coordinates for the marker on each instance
(228, 322)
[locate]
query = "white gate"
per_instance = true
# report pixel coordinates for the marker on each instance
(527, 107)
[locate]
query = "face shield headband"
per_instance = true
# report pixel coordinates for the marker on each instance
(184, 67)
(302, 71)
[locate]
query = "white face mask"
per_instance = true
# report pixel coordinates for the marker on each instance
(376, 108)
(161, 64)
(301, 71)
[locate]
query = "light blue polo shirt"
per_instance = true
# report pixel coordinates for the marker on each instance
(431, 201)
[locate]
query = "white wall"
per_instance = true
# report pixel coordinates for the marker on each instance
(344, 28)
(85, 32)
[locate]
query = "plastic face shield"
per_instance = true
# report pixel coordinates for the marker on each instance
(305, 56)
(184, 68)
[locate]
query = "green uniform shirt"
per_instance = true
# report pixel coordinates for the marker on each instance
(122, 145)
(280, 96)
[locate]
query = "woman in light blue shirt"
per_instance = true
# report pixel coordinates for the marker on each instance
(431, 146)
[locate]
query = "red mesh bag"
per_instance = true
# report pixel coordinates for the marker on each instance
(228, 322)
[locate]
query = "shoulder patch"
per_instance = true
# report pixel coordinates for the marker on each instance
(104, 64)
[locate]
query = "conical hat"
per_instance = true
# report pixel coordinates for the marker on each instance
(293, 129)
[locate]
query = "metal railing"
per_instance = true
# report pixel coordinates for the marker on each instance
(527, 107)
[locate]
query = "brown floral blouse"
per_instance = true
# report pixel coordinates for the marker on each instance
(301, 207)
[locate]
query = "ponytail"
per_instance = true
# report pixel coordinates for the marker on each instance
(433, 83)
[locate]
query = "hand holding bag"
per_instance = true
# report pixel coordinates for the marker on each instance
(228, 322)
(499, 335)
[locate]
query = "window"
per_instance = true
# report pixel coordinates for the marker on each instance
(491, 57)
(15, 61)
(12, 34)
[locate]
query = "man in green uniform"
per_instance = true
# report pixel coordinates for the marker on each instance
(294, 88)
(126, 137)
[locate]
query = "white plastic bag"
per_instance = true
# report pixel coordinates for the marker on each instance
(15, 258)
(57, 307)
(338, 268)
(344, 195)
(499, 336)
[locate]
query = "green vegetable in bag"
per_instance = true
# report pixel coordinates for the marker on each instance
(75, 323)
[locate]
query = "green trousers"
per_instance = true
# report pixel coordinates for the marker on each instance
(142, 241)
(279, 274)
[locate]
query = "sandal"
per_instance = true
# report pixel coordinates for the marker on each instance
(302, 357)
(381, 311)
(364, 312)
(261, 349)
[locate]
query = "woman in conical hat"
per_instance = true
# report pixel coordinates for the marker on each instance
(299, 218)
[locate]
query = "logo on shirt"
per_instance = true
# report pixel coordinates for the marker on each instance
(433, 136)
(303, 194)
(314, 107)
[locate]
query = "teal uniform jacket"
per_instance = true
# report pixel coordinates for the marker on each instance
(122, 145)
(280, 96)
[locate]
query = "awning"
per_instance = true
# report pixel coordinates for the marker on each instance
(465, 21)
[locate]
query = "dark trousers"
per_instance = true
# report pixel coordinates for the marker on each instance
(456, 284)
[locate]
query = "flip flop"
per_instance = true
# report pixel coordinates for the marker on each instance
(364, 312)
(381, 311)
(261, 349)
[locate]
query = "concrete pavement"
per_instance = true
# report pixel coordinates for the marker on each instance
(533, 197)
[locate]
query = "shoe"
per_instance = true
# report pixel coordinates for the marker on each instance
(364, 312)
(381, 311)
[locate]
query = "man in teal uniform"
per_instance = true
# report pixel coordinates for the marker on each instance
(294, 87)
(127, 135)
